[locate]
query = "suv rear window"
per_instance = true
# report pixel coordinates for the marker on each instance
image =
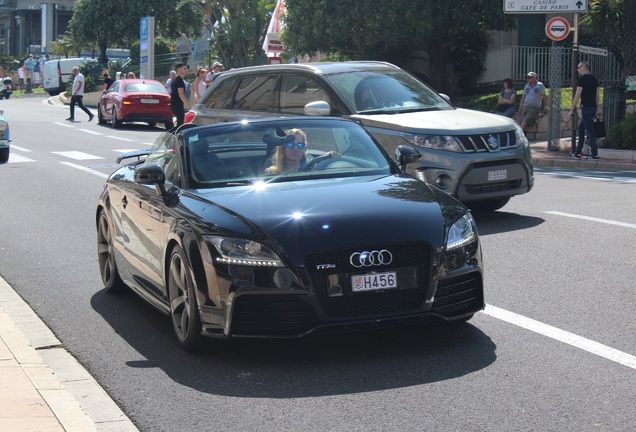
(296, 91)
(221, 97)
(255, 93)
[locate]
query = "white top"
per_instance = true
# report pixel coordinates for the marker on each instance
(201, 87)
(78, 85)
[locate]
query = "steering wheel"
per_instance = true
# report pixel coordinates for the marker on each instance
(312, 163)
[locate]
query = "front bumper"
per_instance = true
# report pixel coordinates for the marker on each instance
(320, 300)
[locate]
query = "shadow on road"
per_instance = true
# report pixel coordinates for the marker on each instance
(500, 222)
(293, 368)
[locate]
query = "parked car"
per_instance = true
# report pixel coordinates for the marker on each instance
(349, 242)
(5, 139)
(135, 100)
(482, 159)
(57, 72)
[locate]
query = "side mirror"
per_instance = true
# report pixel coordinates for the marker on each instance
(445, 97)
(317, 108)
(405, 155)
(151, 175)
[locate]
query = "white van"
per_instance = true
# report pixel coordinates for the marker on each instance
(56, 72)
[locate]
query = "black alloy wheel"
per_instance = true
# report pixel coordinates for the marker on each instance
(186, 321)
(106, 258)
(100, 116)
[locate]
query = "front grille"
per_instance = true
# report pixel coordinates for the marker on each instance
(459, 296)
(272, 315)
(480, 143)
(493, 187)
(411, 261)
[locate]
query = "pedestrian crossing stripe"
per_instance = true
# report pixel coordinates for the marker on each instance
(15, 158)
(76, 155)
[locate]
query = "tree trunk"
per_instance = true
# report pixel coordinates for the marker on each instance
(102, 59)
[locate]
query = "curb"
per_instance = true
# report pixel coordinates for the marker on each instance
(78, 402)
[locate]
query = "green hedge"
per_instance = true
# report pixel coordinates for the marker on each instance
(622, 136)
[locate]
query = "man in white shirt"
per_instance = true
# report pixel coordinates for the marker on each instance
(77, 95)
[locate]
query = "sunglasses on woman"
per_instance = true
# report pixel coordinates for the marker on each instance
(300, 145)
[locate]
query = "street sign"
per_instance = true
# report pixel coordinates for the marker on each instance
(544, 6)
(557, 28)
(591, 50)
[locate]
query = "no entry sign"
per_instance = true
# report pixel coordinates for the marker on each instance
(557, 29)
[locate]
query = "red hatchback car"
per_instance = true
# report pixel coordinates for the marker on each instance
(135, 100)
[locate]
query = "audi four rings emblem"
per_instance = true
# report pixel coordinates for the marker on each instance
(373, 258)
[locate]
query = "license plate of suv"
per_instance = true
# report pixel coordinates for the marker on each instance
(373, 282)
(150, 101)
(497, 175)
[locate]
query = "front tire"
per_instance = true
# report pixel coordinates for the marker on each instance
(106, 257)
(184, 312)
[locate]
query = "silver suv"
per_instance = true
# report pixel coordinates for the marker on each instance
(482, 159)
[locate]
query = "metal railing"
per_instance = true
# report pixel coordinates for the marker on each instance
(516, 61)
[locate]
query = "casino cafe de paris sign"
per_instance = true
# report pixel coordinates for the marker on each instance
(544, 6)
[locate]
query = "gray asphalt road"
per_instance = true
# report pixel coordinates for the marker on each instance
(554, 351)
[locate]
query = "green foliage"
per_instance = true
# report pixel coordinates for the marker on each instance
(94, 22)
(368, 29)
(622, 136)
(238, 28)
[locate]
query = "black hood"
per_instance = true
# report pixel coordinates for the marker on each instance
(303, 217)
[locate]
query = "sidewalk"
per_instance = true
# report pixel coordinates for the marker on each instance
(42, 387)
(610, 160)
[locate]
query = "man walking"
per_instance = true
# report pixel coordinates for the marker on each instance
(77, 95)
(587, 93)
(178, 99)
(530, 105)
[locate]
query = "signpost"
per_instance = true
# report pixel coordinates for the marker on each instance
(544, 6)
(557, 29)
(593, 50)
(147, 47)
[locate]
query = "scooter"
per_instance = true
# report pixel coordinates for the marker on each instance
(5, 88)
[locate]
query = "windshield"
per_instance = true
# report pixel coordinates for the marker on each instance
(280, 150)
(368, 92)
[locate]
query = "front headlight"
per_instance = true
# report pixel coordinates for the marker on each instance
(4, 125)
(461, 232)
(243, 252)
(436, 142)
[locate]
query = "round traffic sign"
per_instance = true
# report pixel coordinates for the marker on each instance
(557, 29)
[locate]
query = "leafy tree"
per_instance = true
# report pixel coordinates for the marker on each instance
(93, 22)
(238, 27)
(368, 29)
(66, 45)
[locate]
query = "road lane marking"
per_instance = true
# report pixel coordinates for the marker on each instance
(88, 170)
(90, 132)
(119, 138)
(592, 219)
(613, 176)
(576, 341)
(15, 158)
(15, 147)
(64, 124)
(77, 155)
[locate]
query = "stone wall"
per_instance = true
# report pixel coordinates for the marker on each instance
(540, 129)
